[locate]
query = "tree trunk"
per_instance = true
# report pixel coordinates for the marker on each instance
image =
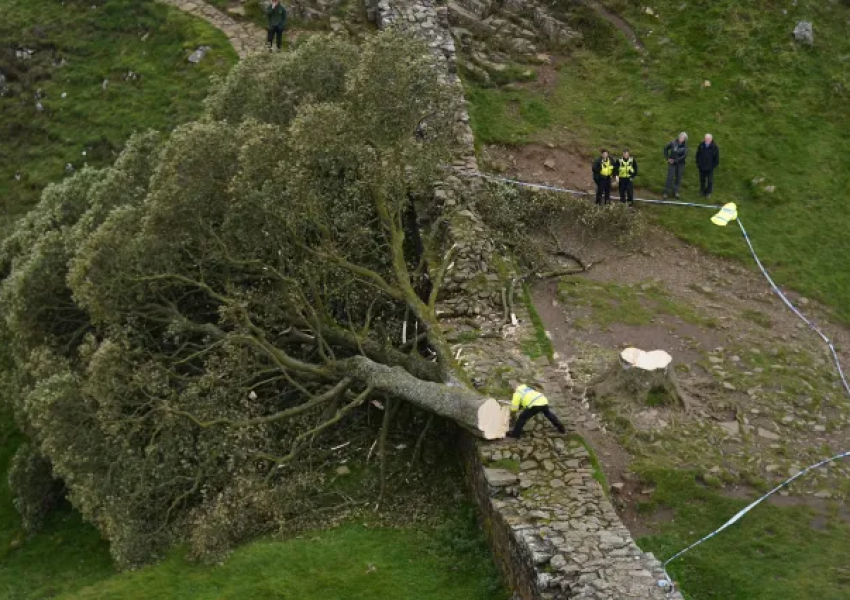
(646, 377)
(483, 417)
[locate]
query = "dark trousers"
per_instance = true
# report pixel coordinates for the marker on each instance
(275, 34)
(525, 415)
(675, 173)
(627, 190)
(603, 188)
(706, 182)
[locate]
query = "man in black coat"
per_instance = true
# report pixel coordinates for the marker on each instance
(626, 170)
(708, 157)
(603, 170)
(675, 152)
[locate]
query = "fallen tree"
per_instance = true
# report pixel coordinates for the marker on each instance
(181, 328)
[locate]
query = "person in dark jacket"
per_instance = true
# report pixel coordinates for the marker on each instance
(708, 157)
(603, 170)
(675, 152)
(277, 22)
(626, 169)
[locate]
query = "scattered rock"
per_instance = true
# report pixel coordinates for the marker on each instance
(105, 84)
(706, 84)
(767, 434)
(803, 301)
(729, 386)
(39, 107)
(199, 54)
(712, 480)
(558, 562)
(24, 53)
(499, 477)
(617, 488)
(343, 470)
(649, 11)
(770, 189)
(549, 163)
(804, 33)
(69, 168)
(730, 427)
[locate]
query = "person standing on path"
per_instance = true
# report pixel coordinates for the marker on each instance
(532, 403)
(603, 170)
(675, 152)
(708, 157)
(626, 169)
(277, 22)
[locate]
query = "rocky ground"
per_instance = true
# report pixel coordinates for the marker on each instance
(764, 396)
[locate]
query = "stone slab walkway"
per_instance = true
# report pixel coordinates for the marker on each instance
(246, 38)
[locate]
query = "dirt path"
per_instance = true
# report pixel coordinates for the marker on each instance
(245, 37)
(617, 22)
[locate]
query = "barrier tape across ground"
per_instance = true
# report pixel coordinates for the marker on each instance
(669, 582)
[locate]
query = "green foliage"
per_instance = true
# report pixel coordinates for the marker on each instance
(526, 219)
(66, 554)
(764, 84)
(78, 46)
(33, 487)
(148, 308)
(789, 552)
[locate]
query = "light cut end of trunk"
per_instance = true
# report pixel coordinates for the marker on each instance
(493, 419)
(657, 360)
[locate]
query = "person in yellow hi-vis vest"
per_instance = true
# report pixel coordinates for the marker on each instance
(626, 170)
(532, 402)
(603, 170)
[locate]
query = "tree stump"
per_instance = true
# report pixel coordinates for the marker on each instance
(646, 377)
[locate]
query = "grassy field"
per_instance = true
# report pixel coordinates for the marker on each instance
(350, 563)
(777, 109)
(790, 553)
(138, 47)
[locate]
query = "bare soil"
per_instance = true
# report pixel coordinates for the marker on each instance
(527, 163)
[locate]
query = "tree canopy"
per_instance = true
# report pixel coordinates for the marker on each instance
(178, 328)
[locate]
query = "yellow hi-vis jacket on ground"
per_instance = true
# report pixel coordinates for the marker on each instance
(728, 213)
(526, 397)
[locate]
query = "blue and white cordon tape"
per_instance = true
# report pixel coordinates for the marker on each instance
(667, 581)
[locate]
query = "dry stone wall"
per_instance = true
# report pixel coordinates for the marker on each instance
(553, 531)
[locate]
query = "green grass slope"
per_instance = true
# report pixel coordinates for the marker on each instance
(778, 110)
(790, 553)
(352, 562)
(97, 40)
